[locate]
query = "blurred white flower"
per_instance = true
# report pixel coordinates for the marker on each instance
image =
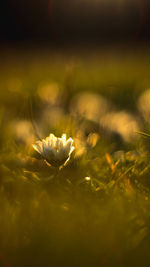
(55, 150)
(90, 105)
(22, 131)
(122, 123)
(144, 104)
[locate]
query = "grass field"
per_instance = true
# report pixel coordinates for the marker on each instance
(95, 211)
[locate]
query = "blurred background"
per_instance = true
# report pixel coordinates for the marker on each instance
(75, 21)
(80, 67)
(54, 50)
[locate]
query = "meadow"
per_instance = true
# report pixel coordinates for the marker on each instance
(95, 210)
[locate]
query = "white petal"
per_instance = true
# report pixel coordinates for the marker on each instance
(68, 144)
(44, 148)
(63, 138)
(71, 150)
(61, 144)
(37, 148)
(39, 143)
(57, 143)
(53, 140)
(47, 140)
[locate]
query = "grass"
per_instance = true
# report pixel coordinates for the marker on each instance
(65, 218)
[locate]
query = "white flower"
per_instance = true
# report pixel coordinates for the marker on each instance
(55, 150)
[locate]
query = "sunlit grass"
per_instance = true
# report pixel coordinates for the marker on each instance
(95, 210)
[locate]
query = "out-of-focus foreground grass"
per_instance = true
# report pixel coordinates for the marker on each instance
(95, 210)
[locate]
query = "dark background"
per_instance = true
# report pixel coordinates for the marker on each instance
(74, 21)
